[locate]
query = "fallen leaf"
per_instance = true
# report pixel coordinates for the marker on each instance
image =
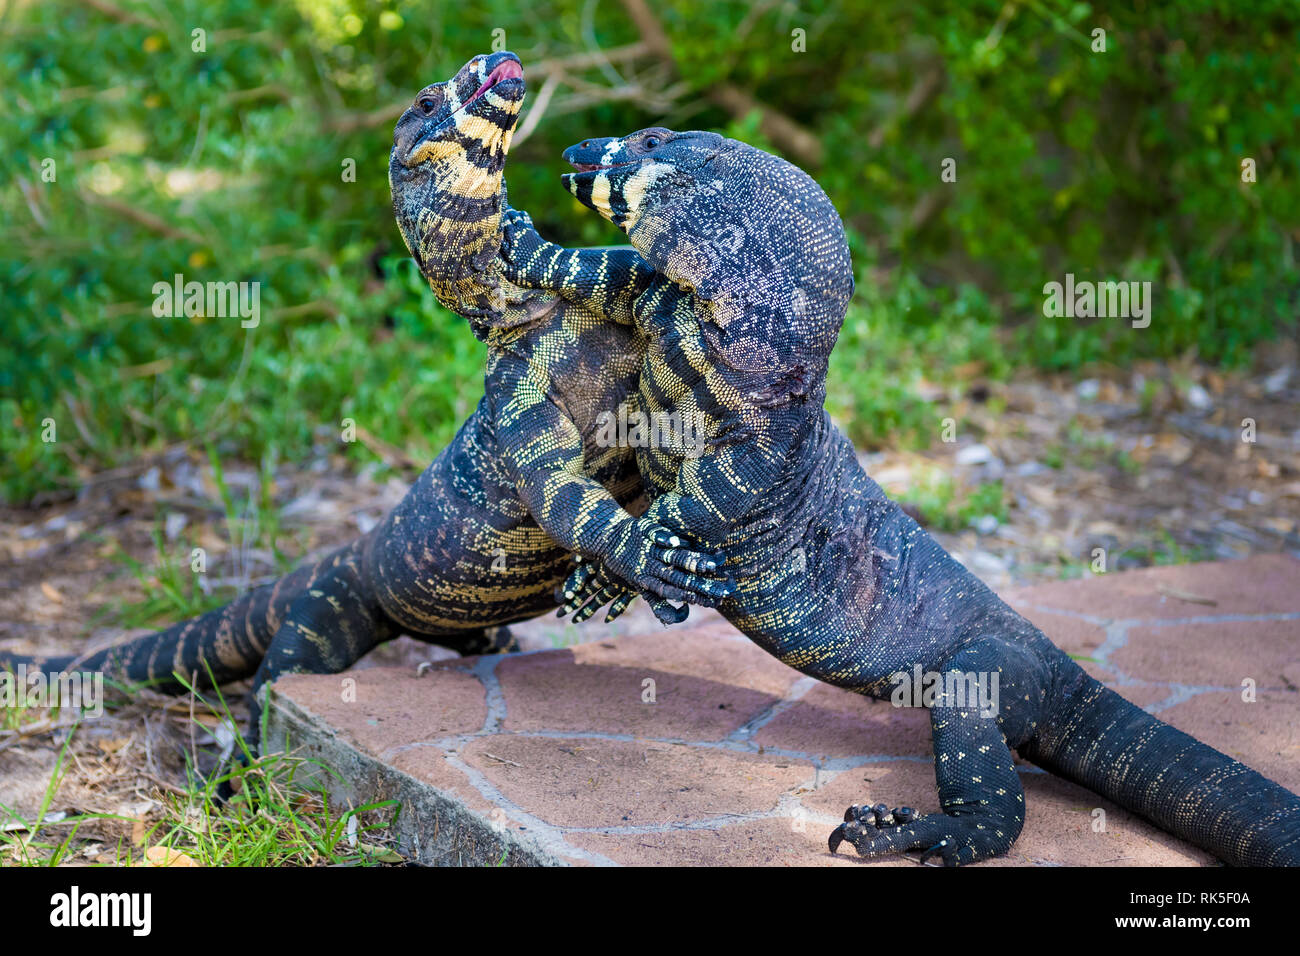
(165, 856)
(1186, 595)
(1040, 494)
(1097, 528)
(50, 592)
(381, 854)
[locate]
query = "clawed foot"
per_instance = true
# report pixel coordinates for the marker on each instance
(657, 561)
(647, 558)
(590, 587)
(879, 831)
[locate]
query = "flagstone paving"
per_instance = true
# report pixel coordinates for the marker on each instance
(690, 745)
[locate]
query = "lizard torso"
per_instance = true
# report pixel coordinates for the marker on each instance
(833, 578)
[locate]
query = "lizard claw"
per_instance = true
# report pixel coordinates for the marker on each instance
(936, 850)
(877, 831)
(836, 838)
(667, 613)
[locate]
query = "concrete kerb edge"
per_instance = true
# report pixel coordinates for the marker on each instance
(463, 837)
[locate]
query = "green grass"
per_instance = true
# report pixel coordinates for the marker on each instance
(170, 581)
(281, 816)
(276, 820)
(170, 591)
(1163, 552)
(897, 334)
(42, 843)
(933, 492)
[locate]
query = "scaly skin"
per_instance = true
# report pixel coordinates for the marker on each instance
(462, 554)
(833, 578)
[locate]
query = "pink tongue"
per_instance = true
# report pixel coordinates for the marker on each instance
(509, 69)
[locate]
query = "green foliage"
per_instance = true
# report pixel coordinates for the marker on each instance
(227, 164)
(282, 816)
(894, 336)
(933, 492)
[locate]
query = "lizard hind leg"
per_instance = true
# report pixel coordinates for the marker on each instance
(981, 800)
(983, 805)
(331, 625)
(489, 640)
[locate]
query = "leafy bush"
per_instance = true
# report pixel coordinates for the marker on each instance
(227, 163)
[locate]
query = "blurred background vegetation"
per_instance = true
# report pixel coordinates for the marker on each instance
(227, 164)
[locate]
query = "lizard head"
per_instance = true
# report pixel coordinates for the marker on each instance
(445, 173)
(753, 237)
(621, 176)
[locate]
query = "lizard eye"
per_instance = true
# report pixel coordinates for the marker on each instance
(427, 105)
(651, 142)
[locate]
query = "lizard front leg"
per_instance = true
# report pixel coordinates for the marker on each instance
(544, 450)
(713, 491)
(605, 282)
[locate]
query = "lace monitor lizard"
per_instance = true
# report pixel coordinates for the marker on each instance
(833, 578)
(483, 538)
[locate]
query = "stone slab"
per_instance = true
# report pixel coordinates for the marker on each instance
(690, 746)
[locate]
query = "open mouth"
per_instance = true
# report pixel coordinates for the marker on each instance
(597, 167)
(505, 70)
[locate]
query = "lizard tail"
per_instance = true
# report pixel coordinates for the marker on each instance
(231, 640)
(1100, 740)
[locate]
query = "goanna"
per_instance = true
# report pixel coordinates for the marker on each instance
(832, 577)
(483, 538)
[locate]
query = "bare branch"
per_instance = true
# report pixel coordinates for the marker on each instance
(351, 122)
(275, 90)
(142, 218)
(647, 24)
(926, 208)
(922, 91)
(779, 128)
(122, 16)
(538, 109)
(583, 61)
(346, 123)
(788, 135)
(391, 455)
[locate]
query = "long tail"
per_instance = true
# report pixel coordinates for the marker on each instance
(1103, 742)
(231, 641)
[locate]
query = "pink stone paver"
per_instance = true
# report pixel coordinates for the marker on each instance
(692, 746)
